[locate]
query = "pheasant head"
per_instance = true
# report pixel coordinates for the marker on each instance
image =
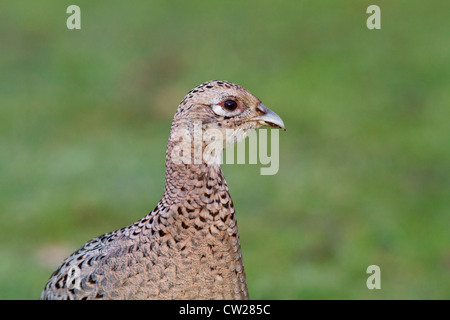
(213, 115)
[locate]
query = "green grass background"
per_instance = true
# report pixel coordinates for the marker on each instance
(364, 172)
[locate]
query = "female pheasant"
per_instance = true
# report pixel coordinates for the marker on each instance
(188, 246)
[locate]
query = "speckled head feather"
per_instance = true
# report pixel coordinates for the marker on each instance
(188, 246)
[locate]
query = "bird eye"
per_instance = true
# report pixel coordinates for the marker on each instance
(230, 105)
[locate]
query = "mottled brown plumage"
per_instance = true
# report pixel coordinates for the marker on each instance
(188, 246)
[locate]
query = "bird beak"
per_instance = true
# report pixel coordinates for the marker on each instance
(269, 118)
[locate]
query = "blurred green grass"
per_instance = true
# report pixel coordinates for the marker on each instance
(364, 164)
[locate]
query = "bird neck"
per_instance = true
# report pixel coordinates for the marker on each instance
(196, 215)
(198, 182)
(192, 167)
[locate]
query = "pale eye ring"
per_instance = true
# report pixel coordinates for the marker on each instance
(227, 108)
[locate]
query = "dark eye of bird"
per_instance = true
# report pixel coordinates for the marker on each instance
(230, 105)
